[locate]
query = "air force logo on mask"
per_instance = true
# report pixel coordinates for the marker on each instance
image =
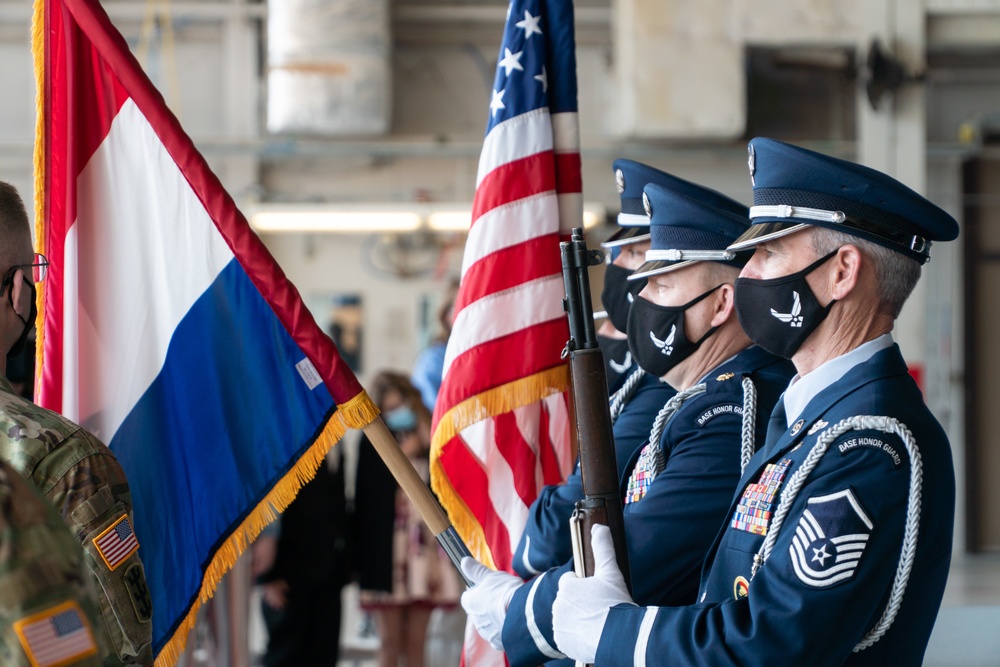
(666, 346)
(623, 366)
(830, 539)
(795, 317)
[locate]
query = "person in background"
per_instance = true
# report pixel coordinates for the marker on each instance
(426, 376)
(402, 572)
(72, 468)
(302, 562)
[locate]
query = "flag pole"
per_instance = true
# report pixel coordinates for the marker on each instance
(418, 492)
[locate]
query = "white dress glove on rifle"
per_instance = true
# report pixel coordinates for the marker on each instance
(486, 602)
(582, 605)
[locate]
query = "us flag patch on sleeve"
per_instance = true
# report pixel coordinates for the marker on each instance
(117, 543)
(56, 636)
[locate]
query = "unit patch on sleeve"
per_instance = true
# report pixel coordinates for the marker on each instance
(753, 513)
(724, 409)
(829, 540)
(117, 543)
(873, 442)
(57, 636)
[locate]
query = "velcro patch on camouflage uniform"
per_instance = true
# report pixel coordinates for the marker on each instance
(56, 636)
(138, 591)
(117, 542)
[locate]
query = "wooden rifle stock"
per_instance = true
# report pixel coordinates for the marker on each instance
(591, 414)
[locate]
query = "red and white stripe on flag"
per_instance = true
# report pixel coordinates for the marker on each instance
(501, 424)
(57, 636)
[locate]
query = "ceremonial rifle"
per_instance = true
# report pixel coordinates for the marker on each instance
(591, 414)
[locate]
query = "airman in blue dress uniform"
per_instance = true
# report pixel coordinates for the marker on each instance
(638, 396)
(837, 543)
(682, 327)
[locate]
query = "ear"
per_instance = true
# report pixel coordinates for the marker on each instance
(723, 304)
(846, 271)
(20, 294)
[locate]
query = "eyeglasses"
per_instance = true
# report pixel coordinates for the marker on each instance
(39, 268)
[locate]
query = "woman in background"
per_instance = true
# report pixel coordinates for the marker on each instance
(403, 573)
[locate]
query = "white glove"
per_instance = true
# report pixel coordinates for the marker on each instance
(486, 602)
(582, 605)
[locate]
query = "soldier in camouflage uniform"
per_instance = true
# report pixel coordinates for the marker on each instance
(48, 606)
(72, 468)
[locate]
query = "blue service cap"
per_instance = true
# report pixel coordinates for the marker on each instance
(794, 187)
(631, 177)
(684, 230)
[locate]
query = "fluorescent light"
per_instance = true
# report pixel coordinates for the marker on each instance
(450, 221)
(377, 217)
(336, 220)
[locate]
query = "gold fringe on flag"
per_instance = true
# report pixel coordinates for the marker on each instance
(490, 403)
(356, 413)
(38, 54)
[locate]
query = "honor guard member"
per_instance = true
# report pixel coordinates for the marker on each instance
(73, 469)
(676, 489)
(545, 542)
(48, 606)
(838, 541)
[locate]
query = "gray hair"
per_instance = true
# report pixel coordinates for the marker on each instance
(895, 273)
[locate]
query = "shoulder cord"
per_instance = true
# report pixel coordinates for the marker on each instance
(910, 532)
(620, 397)
(749, 422)
(666, 412)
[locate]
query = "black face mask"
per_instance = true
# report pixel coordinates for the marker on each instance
(29, 323)
(618, 294)
(656, 334)
(779, 314)
(617, 358)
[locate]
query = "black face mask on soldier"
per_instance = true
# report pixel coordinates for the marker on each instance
(618, 294)
(779, 314)
(656, 334)
(8, 284)
(617, 358)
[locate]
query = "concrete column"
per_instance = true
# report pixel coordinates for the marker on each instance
(893, 138)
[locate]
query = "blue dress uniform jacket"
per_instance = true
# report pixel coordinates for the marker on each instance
(821, 590)
(545, 542)
(671, 528)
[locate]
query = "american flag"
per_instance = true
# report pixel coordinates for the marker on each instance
(56, 637)
(501, 424)
(117, 542)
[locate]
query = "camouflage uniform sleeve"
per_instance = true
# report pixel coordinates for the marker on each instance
(48, 606)
(87, 484)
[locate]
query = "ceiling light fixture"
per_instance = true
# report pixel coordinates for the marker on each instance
(377, 217)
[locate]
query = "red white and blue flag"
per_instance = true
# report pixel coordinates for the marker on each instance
(501, 423)
(165, 326)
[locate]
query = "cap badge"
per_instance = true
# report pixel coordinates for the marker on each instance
(752, 163)
(620, 180)
(646, 205)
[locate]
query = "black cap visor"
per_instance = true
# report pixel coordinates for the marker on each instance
(762, 232)
(627, 235)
